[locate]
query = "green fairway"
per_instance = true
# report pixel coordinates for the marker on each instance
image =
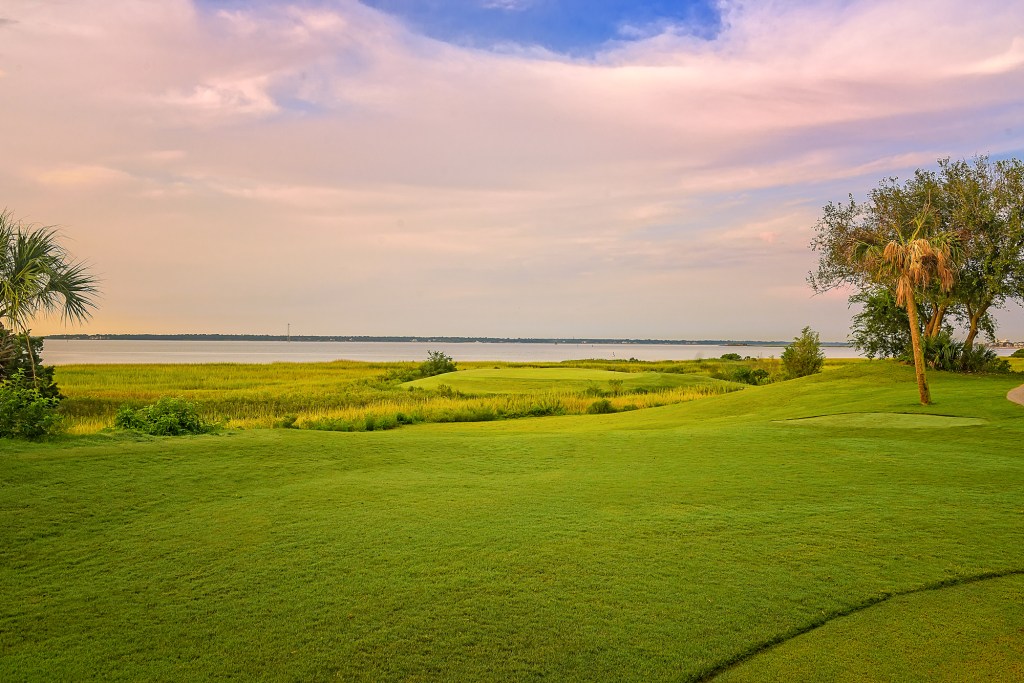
(536, 380)
(658, 544)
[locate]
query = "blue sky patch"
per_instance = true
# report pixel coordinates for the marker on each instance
(573, 27)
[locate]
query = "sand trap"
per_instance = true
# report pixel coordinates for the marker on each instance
(886, 421)
(1016, 395)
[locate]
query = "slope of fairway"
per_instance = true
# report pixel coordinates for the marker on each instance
(518, 380)
(652, 545)
(974, 631)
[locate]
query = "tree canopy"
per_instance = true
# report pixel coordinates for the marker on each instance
(38, 276)
(942, 245)
(974, 207)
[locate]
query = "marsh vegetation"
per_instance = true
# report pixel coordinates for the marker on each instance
(355, 396)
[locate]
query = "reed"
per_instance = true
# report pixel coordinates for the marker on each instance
(359, 396)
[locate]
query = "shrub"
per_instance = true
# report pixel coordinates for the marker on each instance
(730, 356)
(166, 417)
(447, 391)
(945, 353)
(1019, 353)
(15, 359)
(24, 411)
(437, 363)
(804, 356)
(286, 422)
(748, 375)
(601, 407)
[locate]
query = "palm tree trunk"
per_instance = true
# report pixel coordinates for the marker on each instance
(31, 359)
(915, 342)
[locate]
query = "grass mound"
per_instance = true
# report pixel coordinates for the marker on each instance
(969, 632)
(886, 421)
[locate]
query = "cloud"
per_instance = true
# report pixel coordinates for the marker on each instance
(81, 176)
(639, 191)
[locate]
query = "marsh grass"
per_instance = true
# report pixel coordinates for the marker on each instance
(356, 396)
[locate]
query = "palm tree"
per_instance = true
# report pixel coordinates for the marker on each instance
(907, 256)
(37, 276)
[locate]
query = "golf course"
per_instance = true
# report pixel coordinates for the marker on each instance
(823, 528)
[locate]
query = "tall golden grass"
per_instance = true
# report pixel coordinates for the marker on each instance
(360, 394)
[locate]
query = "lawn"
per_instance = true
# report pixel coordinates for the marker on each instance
(657, 544)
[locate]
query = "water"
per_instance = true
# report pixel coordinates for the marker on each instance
(88, 351)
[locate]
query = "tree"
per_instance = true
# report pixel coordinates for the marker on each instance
(437, 363)
(804, 356)
(984, 205)
(38, 276)
(881, 329)
(979, 206)
(895, 241)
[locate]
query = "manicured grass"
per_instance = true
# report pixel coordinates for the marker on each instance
(968, 632)
(656, 544)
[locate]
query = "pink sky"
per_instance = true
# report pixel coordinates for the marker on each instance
(323, 165)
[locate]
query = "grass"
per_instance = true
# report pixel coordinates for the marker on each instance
(348, 395)
(970, 631)
(649, 545)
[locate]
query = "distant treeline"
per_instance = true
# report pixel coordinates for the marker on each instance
(437, 340)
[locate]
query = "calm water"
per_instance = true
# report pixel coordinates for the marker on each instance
(67, 352)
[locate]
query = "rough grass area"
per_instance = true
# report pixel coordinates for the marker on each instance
(524, 380)
(354, 396)
(652, 545)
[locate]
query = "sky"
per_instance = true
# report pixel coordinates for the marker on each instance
(510, 168)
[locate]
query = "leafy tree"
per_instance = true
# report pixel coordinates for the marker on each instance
(897, 241)
(437, 363)
(37, 276)
(984, 205)
(882, 328)
(804, 356)
(977, 206)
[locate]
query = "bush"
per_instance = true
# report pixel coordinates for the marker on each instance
(25, 412)
(804, 356)
(15, 359)
(1019, 353)
(286, 422)
(730, 356)
(945, 353)
(748, 375)
(601, 407)
(166, 417)
(437, 363)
